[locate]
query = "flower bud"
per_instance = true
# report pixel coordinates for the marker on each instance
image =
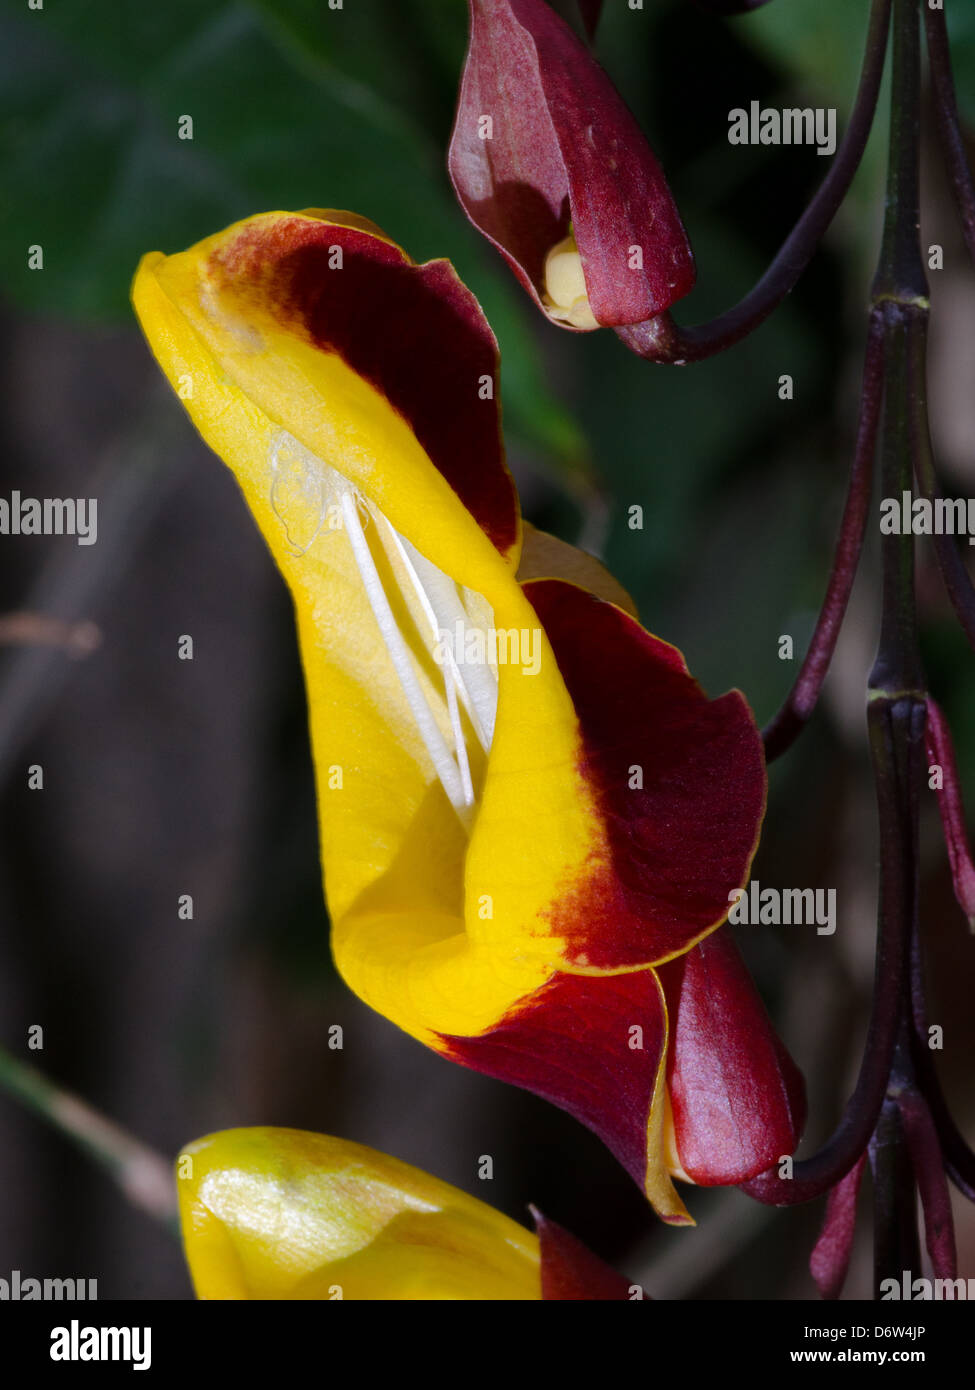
(548, 163)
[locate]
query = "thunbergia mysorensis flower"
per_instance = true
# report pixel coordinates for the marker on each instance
(548, 163)
(282, 1214)
(526, 802)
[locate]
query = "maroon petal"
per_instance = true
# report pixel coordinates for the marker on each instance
(738, 1098)
(570, 1270)
(830, 1258)
(414, 332)
(572, 1043)
(563, 148)
(678, 779)
(932, 1185)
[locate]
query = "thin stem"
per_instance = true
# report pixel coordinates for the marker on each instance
(957, 580)
(896, 681)
(895, 1226)
(144, 1176)
(897, 742)
(941, 754)
(959, 1160)
(781, 731)
(949, 123)
(662, 340)
(896, 710)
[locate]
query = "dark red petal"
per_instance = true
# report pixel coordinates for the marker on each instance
(830, 1258)
(927, 1160)
(683, 842)
(513, 186)
(738, 1098)
(414, 332)
(570, 1043)
(570, 1270)
(564, 147)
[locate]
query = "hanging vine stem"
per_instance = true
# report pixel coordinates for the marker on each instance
(957, 580)
(896, 713)
(782, 731)
(957, 1157)
(949, 125)
(662, 340)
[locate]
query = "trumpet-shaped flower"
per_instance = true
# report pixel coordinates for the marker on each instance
(281, 1214)
(526, 802)
(550, 165)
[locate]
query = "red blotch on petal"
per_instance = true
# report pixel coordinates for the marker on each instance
(569, 1043)
(681, 843)
(414, 332)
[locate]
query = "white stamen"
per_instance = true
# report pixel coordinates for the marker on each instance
(450, 661)
(433, 739)
(451, 675)
(481, 681)
(460, 745)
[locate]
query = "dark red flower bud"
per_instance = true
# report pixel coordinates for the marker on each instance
(738, 1098)
(551, 166)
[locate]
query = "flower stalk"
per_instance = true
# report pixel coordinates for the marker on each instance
(143, 1175)
(904, 1135)
(662, 340)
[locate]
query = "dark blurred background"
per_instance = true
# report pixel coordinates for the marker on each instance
(164, 777)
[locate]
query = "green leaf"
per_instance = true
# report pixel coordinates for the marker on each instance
(292, 106)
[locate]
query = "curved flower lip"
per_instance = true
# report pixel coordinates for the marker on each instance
(586, 814)
(563, 152)
(282, 1214)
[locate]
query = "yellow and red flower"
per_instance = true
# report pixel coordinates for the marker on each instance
(527, 805)
(282, 1214)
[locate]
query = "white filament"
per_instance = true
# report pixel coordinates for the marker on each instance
(455, 782)
(451, 675)
(481, 680)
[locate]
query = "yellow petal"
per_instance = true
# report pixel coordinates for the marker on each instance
(436, 931)
(282, 1214)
